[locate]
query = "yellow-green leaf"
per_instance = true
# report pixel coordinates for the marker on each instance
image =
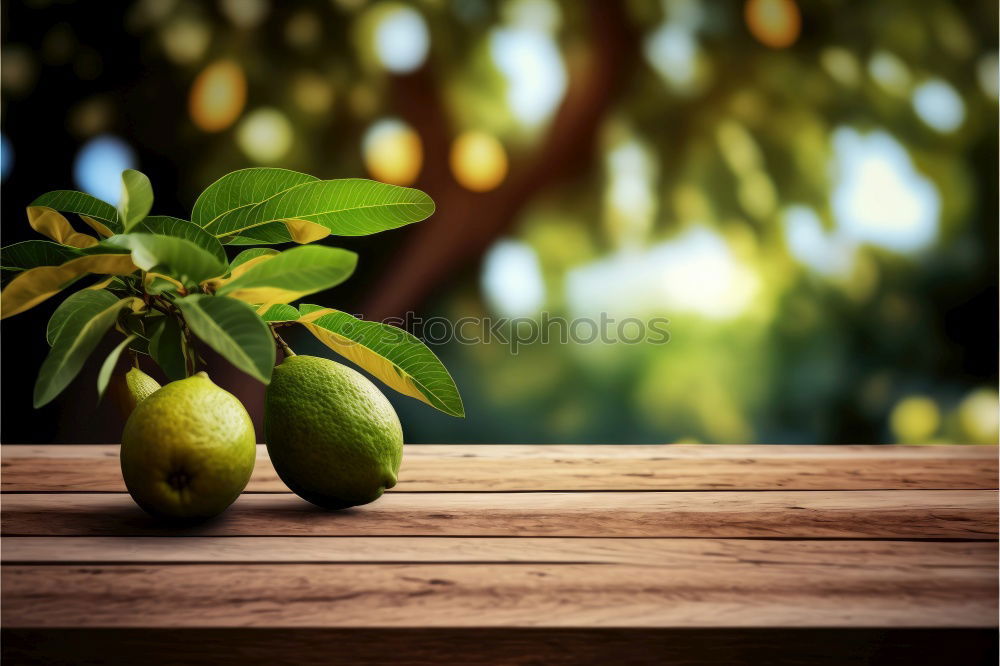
(51, 223)
(35, 285)
(395, 357)
(101, 228)
(304, 231)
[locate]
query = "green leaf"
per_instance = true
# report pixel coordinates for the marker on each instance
(233, 330)
(69, 201)
(266, 234)
(33, 253)
(82, 301)
(174, 257)
(349, 207)
(398, 359)
(178, 228)
(243, 189)
(280, 312)
(166, 346)
(108, 367)
(292, 274)
(249, 255)
(75, 339)
(140, 327)
(136, 199)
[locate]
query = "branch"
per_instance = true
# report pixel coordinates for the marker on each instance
(467, 223)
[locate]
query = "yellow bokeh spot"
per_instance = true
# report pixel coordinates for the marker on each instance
(979, 416)
(775, 23)
(478, 161)
(265, 135)
(218, 96)
(915, 419)
(312, 93)
(393, 152)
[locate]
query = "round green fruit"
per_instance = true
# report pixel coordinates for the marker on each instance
(188, 450)
(333, 438)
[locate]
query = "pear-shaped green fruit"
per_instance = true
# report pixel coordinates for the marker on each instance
(332, 436)
(140, 386)
(188, 450)
(128, 390)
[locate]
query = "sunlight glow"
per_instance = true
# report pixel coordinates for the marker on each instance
(512, 279)
(99, 165)
(878, 195)
(694, 273)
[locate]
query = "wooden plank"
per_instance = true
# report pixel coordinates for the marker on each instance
(509, 646)
(944, 514)
(929, 555)
(487, 595)
(429, 468)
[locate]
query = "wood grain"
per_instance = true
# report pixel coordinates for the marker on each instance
(430, 468)
(928, 555)
(487, 595)
(478, 646)
(875, 514)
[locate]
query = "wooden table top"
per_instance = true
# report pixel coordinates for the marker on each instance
(519, 554)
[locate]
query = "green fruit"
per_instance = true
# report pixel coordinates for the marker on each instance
(140, 386)
(188, 450)
(333, 438)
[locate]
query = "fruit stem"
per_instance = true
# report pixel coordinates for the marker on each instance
(281, 343)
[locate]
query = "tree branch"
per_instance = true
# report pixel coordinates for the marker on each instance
(468, 222)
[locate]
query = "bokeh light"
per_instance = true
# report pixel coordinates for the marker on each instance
(673, 52)
(265, 135)
(478, 161)
(629, 199)
(218, 95)
(6, 157)
(312, 92)
(532, 65)
(879, 197)
(512, 279)
(979, 416)
(393, 152)
(939, 105)
(245, 13)
(185, 40)
(812, 245)
(915, 419)
(988, 73)
(401, 38)
(889, 72)
(775, 23)
(99, 165)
